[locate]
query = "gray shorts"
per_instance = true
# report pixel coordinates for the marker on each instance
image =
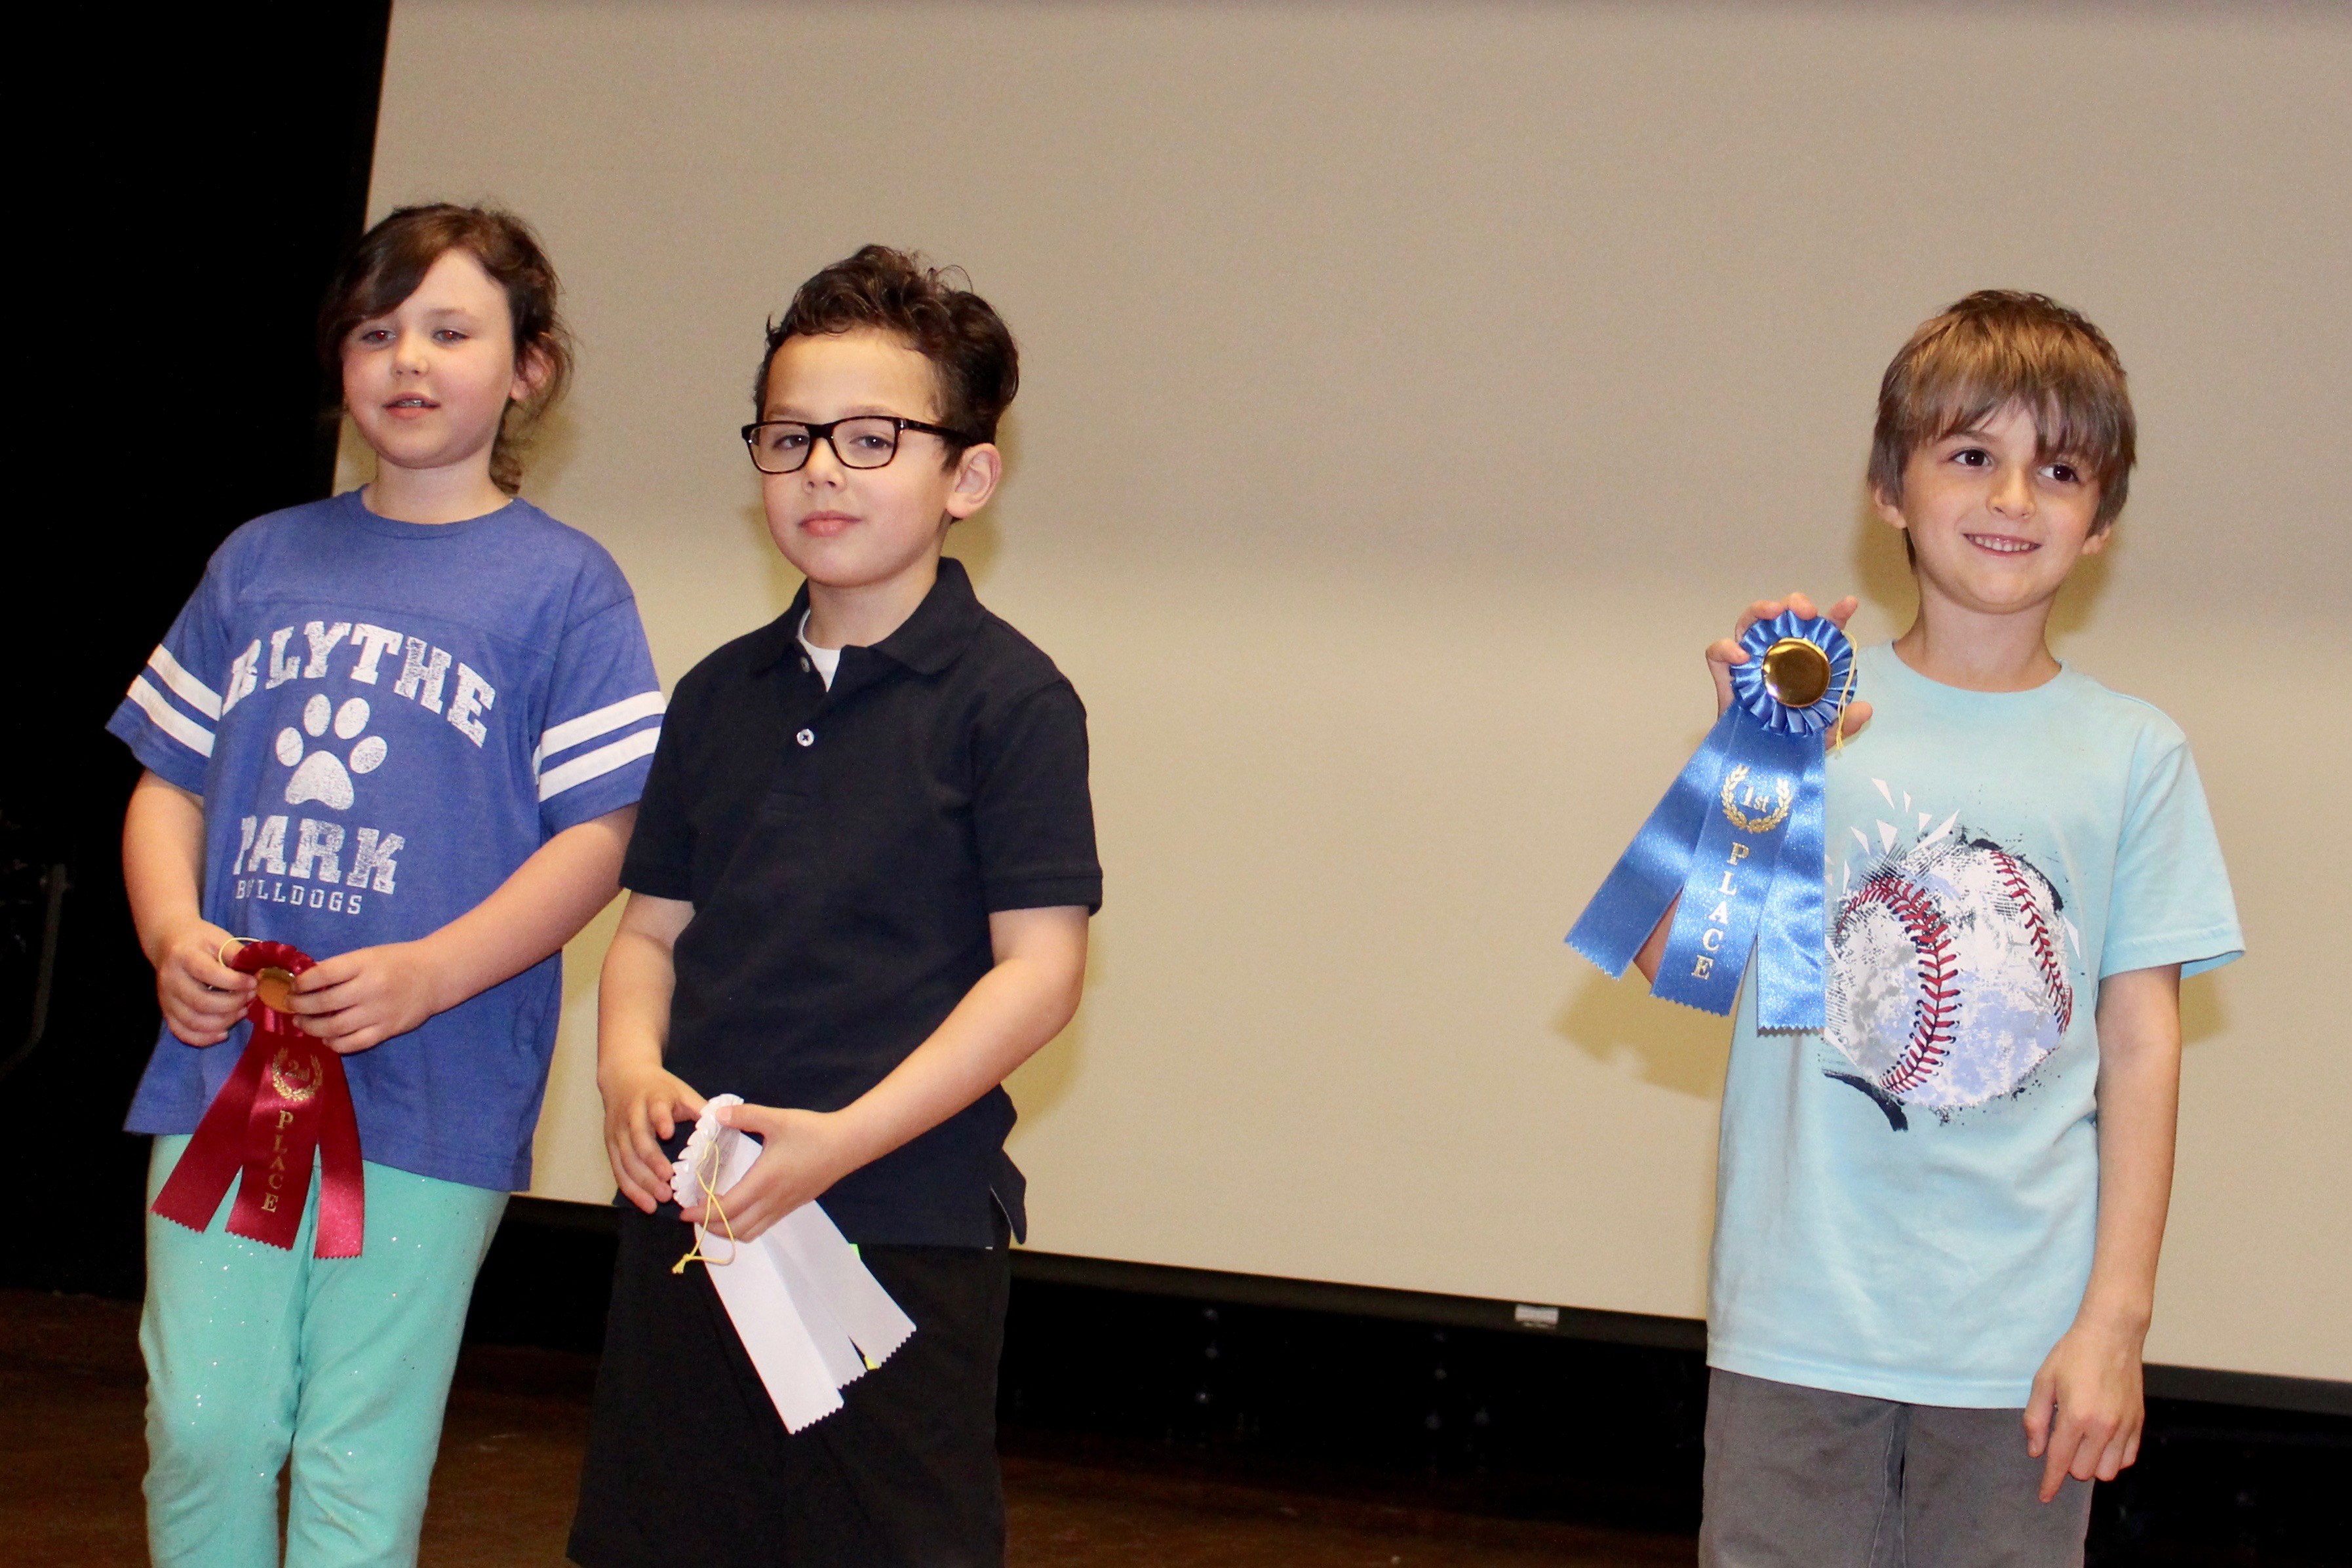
(1803, 1478)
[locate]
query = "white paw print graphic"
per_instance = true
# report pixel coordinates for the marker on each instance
(321, 776)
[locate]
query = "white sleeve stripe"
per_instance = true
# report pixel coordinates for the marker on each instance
(187, 687)
(598, 763)
(170, 719)
(602, 722)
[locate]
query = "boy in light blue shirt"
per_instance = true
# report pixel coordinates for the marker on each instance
(1937, 1219)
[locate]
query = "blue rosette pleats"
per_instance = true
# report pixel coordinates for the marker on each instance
(1739, 838)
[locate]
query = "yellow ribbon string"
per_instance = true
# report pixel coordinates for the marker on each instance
(220, 954)
(1837, 744)
(711, 1202)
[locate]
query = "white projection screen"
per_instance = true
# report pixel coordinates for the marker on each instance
(1410, 392)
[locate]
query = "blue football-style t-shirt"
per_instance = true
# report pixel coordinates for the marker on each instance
(386, 720)
(1906, 1201)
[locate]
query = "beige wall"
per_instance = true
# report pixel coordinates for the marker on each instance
(1410, 390)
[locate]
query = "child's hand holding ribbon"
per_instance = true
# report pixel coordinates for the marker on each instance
(362, 998)
(803, 1153)
(285, 1103)
(1725, 652)
(1735, 850)
(202, 998)
(643, 1106)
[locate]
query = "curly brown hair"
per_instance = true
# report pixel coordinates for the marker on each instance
(391, 258)
(1998, 347)
(936, 314)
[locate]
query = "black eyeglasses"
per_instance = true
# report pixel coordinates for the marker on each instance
(862, 441)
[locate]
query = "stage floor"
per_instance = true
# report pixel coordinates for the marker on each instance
(71, 1391)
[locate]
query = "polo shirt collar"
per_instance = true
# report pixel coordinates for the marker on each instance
(929, 641)
(780, 636)
(941, 626)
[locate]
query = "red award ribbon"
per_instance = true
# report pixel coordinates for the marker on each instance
(286, 1098)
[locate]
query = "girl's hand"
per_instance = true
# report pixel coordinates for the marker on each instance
(806, 1152)
(2085, 1414)
(363, 997)
(640, 1110)
(1722, 655)
(202, 998)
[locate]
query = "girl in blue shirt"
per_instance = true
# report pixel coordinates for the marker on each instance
(403, 730)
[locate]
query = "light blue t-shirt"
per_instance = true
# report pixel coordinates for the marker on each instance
(1906, 1202)
(386, 718)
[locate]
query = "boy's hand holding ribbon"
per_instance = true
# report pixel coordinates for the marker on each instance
(802, 1153)
(1725, 653)
(1730, 861)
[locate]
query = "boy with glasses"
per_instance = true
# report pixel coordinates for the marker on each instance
(859, 890)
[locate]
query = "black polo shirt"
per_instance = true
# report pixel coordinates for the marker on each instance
(843, 851)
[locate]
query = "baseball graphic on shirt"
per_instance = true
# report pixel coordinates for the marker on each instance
(320, 775)
(1947, 976)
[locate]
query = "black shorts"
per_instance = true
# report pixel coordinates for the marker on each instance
(690, 1467)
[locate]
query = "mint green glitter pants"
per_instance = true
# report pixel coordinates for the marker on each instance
(334, 1369)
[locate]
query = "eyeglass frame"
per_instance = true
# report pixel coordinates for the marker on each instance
(824, 432)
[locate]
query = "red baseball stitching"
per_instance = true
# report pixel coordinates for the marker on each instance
(2046, 945)
(1933, 1013)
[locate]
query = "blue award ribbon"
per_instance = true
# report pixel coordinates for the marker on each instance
(1739, 838)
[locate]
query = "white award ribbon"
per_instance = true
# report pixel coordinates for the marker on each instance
(811, 1317)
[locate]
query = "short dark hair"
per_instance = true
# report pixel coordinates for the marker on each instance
(1999, 347)
(391, 258)
(933, 311)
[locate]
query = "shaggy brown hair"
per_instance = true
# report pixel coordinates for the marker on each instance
(393, 258)
(2000, 347)
(933, 311)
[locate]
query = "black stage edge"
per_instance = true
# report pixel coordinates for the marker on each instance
(2259, 1390)
(2312, 1396)
(1362, 1300)
(1458, 1402)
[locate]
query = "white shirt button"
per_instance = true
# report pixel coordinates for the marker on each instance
(806, 737)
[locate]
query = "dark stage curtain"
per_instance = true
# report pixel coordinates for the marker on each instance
(187, 186)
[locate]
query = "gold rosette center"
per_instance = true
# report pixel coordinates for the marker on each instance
(1795, 672)
(275, 986)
